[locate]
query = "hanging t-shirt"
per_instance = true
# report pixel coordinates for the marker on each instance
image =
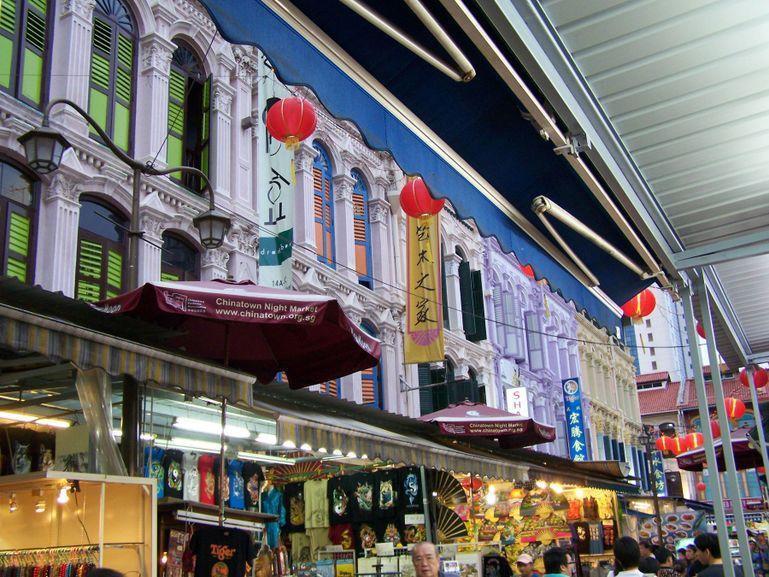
(388, 531)
(191, 485)
(220, 486)
(342, 534)
(363, 496)
(316, 504)
(581, 534)
(386, 485)
(221, 552)
(293, 499)
(237, 488)
(272, 504)
(45, 444)
(339, 498)
(153, 468)
(207, 479)
(596, 539)
(608, 534)
(410, 489)
(252, 479)
(172, 469)
(365, 536)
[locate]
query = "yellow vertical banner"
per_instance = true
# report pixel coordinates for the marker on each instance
(424, 306)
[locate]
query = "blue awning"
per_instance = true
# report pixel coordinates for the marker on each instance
(481, 120)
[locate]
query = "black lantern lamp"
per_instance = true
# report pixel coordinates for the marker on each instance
(44, 148)
(213, 226)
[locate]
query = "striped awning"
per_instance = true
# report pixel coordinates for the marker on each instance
(347, 435)
(60, 341)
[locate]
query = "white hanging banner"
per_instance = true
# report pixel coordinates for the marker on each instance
(275, 199)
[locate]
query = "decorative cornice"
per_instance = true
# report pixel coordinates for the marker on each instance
(215, 257)
(222, 101)
(379, 211)
(343, 187)
(152, 225)
(156, 54)
(81, 8)
(62, 187)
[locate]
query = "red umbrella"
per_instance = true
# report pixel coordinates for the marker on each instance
(746, 455)
(256, 329)
(468, 419)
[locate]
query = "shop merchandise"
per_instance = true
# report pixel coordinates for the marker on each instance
(581, 536)
(386, 484)
(21, 459)
(294, 501)
(221, 552)
(153, 468)
(177, 544)
(410, 489)
(272, 503)
(590, 509)
(221, 485)
(44, 456)
(495, 565)
(365, 536)
(575, 510)
(316, 504)
(237, 489)
(30, 568)
(191, 484)
(363, 495)
(342, 534)
(339, 498)
(252, 479)
(596, 538)
(608, 535)
(300, 548)
(318, 539)
(172, 470)
(207, 479)
(388, 532)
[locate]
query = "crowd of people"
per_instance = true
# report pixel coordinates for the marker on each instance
(631, 559)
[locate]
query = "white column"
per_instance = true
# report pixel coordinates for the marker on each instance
(304, 219)
(344, 241)
(379, 219)
(242, 178)
(152, 91)
(221, 141)
(213, 264)
(389, 362)
(242, 264)
(71, 60)
(150, 251)
(56, 256)
(451, 263)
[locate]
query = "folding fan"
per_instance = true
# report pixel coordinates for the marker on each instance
(448, 525)
(303, 471)
(449, 491)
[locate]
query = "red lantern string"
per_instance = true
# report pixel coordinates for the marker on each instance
(291, 120)
(760, 377)
(700, 329)
(701, 487)
(641, 305)
(677, 445)
(694, 441)
(715, 429)
(416, 200)
(662, 444)
(735, 408)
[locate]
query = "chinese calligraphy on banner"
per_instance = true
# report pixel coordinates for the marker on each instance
(424, 309)
(275, 199)
(658, 472)
(575, 420)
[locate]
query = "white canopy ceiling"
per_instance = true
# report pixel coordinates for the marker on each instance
(675, 99)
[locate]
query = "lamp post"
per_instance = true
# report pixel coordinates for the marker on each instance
(647, 440)
(44, 148)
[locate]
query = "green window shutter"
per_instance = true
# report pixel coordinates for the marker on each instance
(169, 277)
(89, 266)
(479, 312)
(466, 298)
(7, 40)
(8, 16)
(425, 394)
(100, 73)
(440, 393)
(41, 5)
(125, 51)
(6, 61)
(122, 126)
(18, 246)
(114, 270)
(102, 36)
(35, 32)
(32, 80)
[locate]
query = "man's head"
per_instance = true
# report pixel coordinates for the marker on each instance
(648, 565)
(664, 557)
(682, 553)
(708, 549)
(626, 553)
(424, 555)
(556, 561)
(690, 551)
(646, 548)
(525, 565)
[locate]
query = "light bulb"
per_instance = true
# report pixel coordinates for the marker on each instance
(63, 497)
(364, 457)
(352, 455)
(306, 447)
(541, 484)
(557, 489)
(323, 450)
(13, 506)
(40, 506)
(289, 444)
(337, 453)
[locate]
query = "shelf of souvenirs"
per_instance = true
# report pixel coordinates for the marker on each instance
(205, 514)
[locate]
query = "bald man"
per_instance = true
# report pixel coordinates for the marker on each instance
(426, 560)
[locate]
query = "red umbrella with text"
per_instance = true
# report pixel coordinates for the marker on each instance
(468, 419)
(256, 329)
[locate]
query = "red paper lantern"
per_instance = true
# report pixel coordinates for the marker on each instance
(715, 429)
(640, 306)
(416, 200)
(761, 471)
(760, 377)
(528, 270)
(701, 487)
(694, 441)
(291, 120)
(663, 444)
(677, 445)
(735, 408)
(700, 329)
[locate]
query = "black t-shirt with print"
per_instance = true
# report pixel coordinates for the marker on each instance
(387, 491)
(172, 464)
(339, 500)
(252, 481)
(410, 490)
(293, 500)
(363, 496)
(221, 552)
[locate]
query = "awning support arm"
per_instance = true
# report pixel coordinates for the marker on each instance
(466, 70)
(542, 205)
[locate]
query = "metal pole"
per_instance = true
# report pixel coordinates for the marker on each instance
(707, 433)
(222, 478)
(757, 415)
(723, 420)
(657, 516)
(426, 504)
(129, 441)
(134, 233)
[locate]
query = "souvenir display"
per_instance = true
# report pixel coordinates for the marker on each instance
(316, 504)
(191, 484)
(221, 552)
(207, 479)
(252, 480)
(339, 500)
(411, 489)
(294, 502)
(236, 484)
(272, 503)
(153, 467)
(362, 486)
(172, 470)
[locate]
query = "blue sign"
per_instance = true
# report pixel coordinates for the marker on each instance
(575, 420)
(658, 474)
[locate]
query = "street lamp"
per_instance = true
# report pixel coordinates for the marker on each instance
(44, 148)
(647, 440)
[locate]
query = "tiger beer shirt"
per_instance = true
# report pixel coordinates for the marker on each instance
(221, 552)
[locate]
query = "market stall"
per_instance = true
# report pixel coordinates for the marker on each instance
(681, 518)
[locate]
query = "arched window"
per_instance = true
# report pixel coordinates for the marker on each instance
(471, 300)
(189, 115)
(477, 393)
(24, 46)
(371, 379)
(361, 230)
(180, 260)
(101, 251)
(534, 340)
(17, 202)
(113, 57)
(323, 203)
